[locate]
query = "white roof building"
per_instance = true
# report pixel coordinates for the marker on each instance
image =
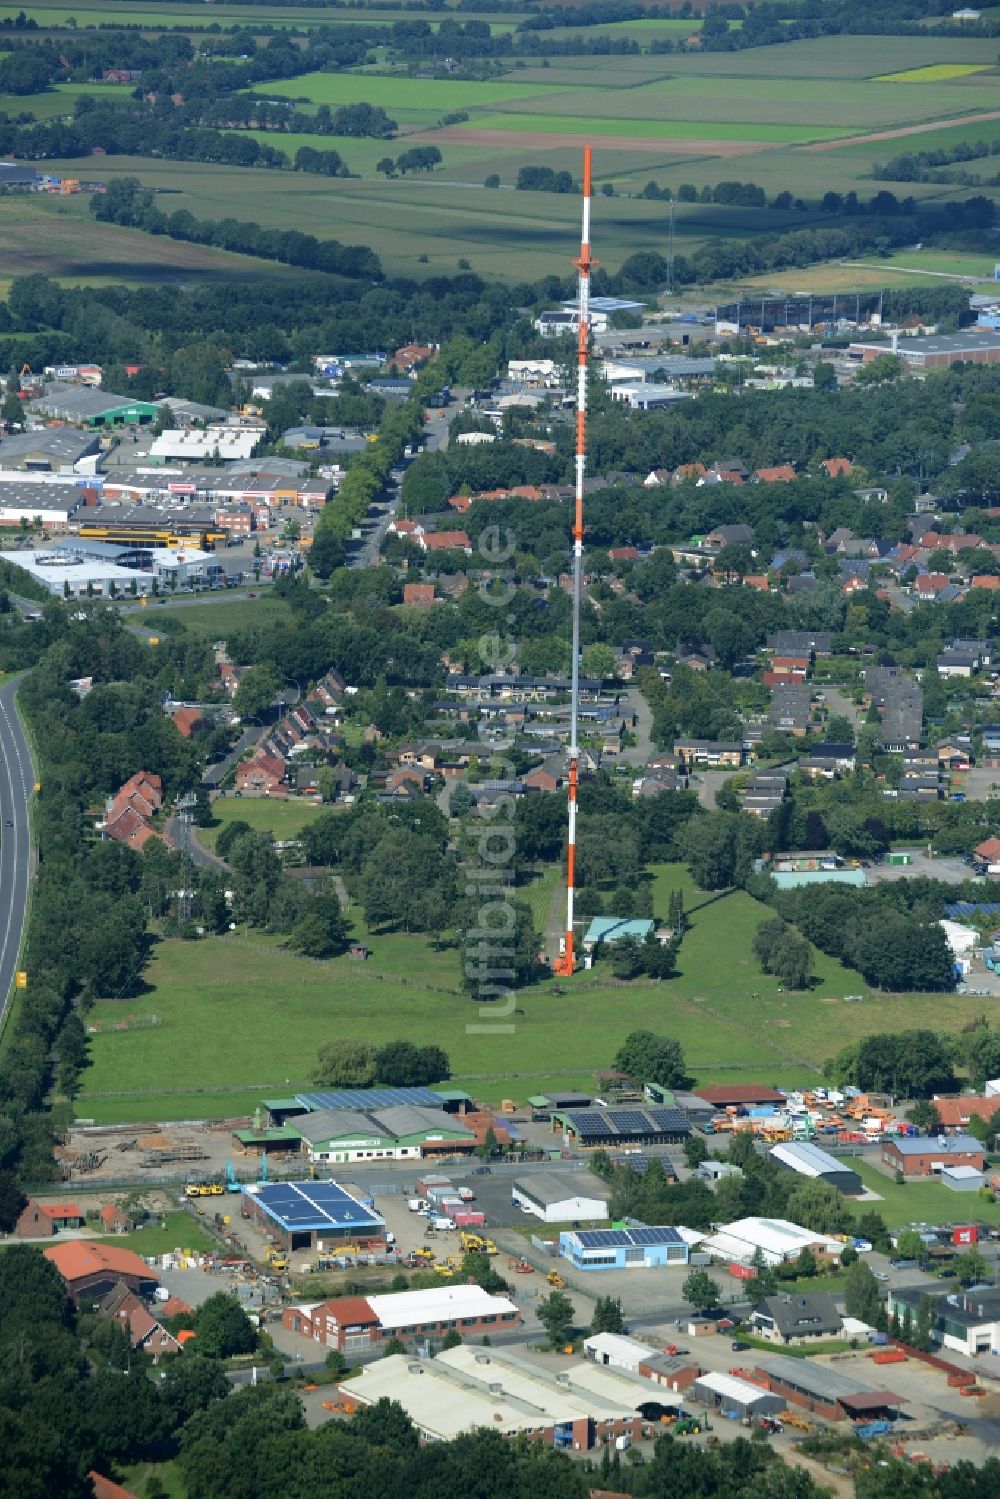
(961, 939)
(777, 1239)
(612, 1351)
(444, 1303)
(560, 1197)
(59, 571)
(468, 1388)
(731, 1393)
(225, 443)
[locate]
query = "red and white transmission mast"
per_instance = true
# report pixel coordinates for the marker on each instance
(566, 961)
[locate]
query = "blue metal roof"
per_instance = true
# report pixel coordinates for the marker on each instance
(959, 908)
(625, 1238)
(305, 1207)
(370, 1098)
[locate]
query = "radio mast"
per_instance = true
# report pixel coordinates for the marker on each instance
(566, 963)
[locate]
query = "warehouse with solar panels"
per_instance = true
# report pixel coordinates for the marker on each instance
(310, 1215)
(609, 1127)
(623, 1248)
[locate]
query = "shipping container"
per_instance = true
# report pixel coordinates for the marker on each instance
(742, 1272)
(967, 1234)
(889, 1356)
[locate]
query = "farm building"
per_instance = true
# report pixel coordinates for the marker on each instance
(797, 1319)
(825, 1391)
(809, 1160)
(925, 1157)
(575, 1409)
(560, 1197)
(91, 1270)
(355, 1324)
(623, 1248)
(777, 1239)
(727, 1392)
(307, 1215)
(648, 1125)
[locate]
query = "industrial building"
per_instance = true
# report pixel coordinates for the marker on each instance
(85, 407)
(355, 1324)
(364, 1100)
(739, 1095)
(676, 1372)
(48, 450)
(221, 443)
(809, 1160)
(50, 505)
(824, 1391)
(561, 1197)
(964, 1321)
(67, 576)
(632, 1126)
(403, 1132)
(466, 1389)
(310, 1215)
(624, 1248)
(730, 1394)
(923, 1156)
(777, 1239)
(936, 351)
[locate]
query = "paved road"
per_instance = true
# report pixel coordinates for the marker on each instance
(16, 859)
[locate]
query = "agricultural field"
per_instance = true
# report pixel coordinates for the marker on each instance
(72, 16)
(937, 72)
(240, 1016)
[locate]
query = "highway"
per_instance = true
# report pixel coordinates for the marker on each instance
(16, 784)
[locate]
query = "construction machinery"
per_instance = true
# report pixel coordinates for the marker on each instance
(566, 963)
(489, 1247)
(520, 1267)
(446, 1271)
(555, 1279)
(203, 1189)
(426, 1255)
(472, 1243)
(689, 1426)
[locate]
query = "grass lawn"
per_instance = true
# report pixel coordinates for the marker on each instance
(921, 1201)
(283, 819)
(606, 122)
(179, 1231)
(214, 620)
(242, 1017)
(441, 96)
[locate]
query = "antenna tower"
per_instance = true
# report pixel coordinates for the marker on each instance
(566, 961)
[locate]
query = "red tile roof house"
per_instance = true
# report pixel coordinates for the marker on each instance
(421, 595)
(445, 541)
(957, 1113)
(186, 720)
(114, 1220)
(40, 1220)
(262, 772)
(782, 474)
(91, 1269)
(929, 585)
(985, 580)
(127, 819)
(623, 554)
(835, 467)
(105, 1489)
(146, 1334)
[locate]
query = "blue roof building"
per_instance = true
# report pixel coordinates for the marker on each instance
(623, 1248)
(307, 1215)
(613, 928)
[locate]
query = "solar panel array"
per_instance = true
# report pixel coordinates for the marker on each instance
(628, 1124)
(626, 1238)
(314, 1205)
(364, 1099)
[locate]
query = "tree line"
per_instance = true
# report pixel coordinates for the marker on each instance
(127, 202)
